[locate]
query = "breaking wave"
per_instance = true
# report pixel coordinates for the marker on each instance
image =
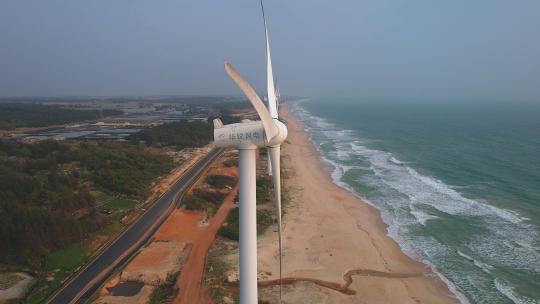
(411, 202)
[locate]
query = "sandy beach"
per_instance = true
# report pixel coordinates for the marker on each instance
(336, 249)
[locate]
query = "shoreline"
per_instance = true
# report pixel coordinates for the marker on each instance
(333, 236)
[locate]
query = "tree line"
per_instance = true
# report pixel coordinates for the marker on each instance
(21, 115)
(46, 201)
(180, 134)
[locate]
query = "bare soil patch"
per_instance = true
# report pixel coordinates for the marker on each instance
(156, 262)
(13, 285)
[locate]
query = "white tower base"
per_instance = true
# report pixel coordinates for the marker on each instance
(248, 225)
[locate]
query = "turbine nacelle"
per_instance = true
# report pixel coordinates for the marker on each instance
(249, 133)
(240, 134)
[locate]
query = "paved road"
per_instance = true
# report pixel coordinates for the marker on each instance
(91, 277)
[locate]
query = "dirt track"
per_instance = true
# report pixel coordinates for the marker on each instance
(190, 280)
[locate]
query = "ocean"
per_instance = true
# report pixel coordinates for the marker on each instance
(458, 183)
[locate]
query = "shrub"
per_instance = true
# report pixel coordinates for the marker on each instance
(164, 291)
(230, 230)
(264, 190)
(219, 181)
(204, 200)
(231, 162)
(265, 219)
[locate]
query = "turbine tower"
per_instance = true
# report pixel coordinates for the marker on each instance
(247, 136)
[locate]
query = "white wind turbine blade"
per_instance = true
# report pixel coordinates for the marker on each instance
(278, 95)
(275, 154)
(271, 88)
(269, 163)
(270, 127)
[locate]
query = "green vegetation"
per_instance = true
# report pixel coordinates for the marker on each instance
(62, 263)
(46, 201)
(215, 275)
(126, 169)
(265, 219)
(231, 228)
(203, 199)
(165, 291)
(67, 259)
(220, 181)
(208, 199)
(181, 134)
(231, 162)
(227, 108)
(264, 190)
(113, 202)
(18, 115)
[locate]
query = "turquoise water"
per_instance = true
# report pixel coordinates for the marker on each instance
(458, 184)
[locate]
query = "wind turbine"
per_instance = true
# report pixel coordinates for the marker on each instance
(247, 136)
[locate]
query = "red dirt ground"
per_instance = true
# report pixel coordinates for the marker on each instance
(225, 171)
(181, 225)
(184, 227)
(190, 280)
(156, 262)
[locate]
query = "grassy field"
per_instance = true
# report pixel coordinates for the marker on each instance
(61, 263)
(67, 259)
(114, 202)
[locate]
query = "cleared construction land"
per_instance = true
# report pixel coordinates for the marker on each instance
(171, 266)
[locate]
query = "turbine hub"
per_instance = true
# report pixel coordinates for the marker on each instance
(281, 134)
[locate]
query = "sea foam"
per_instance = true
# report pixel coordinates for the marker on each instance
(509, 292)
(407, 198)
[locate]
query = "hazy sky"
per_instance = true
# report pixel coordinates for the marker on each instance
(454, 49)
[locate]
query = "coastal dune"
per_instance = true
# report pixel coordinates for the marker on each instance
(336, 248)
